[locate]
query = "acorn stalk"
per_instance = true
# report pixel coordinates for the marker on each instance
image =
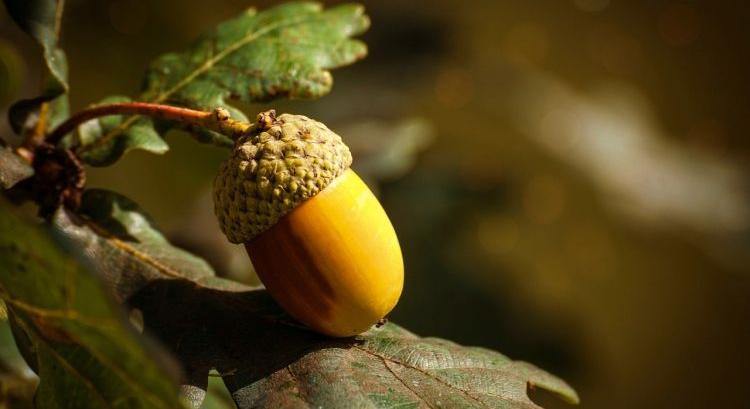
(318, 238)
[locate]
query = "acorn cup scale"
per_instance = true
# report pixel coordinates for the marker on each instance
(318, 238)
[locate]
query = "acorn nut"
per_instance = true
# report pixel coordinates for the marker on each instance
(318, 238)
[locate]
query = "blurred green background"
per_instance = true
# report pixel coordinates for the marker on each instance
(568, 178)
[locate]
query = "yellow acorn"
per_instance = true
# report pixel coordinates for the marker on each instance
(318, 238)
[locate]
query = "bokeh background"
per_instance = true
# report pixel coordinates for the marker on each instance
(568, 178)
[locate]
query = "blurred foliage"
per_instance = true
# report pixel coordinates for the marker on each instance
(17, 381)
(11, 72)
(68, 330)
(42, 20)
(509, 217)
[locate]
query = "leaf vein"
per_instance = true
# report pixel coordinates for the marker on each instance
(122, 374)
(297, 384)
(134, 252)
(426, 373)
(54, 313)
(403, 382)
(71, 369)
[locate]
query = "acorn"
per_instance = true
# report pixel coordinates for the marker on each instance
(316, 235)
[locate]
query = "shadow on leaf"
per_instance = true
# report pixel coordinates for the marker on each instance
(268, 361)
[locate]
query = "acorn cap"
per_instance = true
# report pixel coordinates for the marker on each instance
(280, 163)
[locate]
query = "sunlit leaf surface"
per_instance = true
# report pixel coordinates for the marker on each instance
(283, 52)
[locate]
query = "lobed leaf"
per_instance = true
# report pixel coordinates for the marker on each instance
(84, 352)
(267, 364)
(122, 245)
(283, 52)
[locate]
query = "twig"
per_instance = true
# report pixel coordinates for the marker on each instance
(218, 120)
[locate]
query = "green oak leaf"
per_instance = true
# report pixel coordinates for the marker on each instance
(41, 19)
(85, 353)
(283, 52)
(13, 168)
(265, 359)
(106, 150)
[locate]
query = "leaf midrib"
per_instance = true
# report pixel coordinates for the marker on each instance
(70, 367)
(72, 370)
(208, 64)
(137, 254)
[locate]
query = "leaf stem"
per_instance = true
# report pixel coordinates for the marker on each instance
(37, 135)
(217, 120)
